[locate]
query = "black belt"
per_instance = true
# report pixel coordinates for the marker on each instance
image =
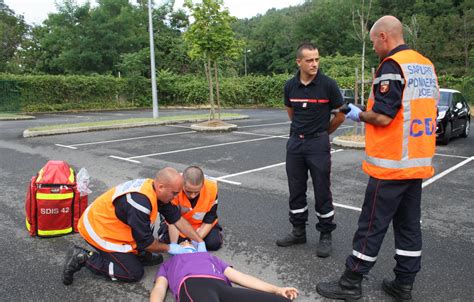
(313, 135)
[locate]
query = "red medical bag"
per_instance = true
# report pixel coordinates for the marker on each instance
(53, 204)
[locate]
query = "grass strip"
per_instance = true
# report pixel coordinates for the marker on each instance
(131, 121)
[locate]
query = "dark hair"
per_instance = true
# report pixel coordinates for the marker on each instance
(304, 45)
(193, 175)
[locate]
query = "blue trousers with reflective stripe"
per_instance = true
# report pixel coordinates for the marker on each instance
(313, 155)
(387, 200)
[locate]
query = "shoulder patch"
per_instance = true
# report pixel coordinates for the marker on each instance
(384, 86)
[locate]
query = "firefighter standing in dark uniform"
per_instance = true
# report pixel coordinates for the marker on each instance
(310, 97)
(400, 144)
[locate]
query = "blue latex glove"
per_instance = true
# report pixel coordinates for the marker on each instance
(202, 247)
(176, 249)
(354, 113)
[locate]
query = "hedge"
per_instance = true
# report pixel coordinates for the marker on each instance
(36, 93)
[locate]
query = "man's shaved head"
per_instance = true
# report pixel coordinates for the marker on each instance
(390, 25)
(193, 175)
(386, 34)
(167, 175)
(167, 184)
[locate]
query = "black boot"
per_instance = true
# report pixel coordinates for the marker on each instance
(348, 287)
(150, 259)
(297, 236)
(401, 292)
(75, 259)
(325, 245)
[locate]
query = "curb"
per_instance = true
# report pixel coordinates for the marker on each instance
(349, 144)
(66, 130)
(16, 118)
(226, 128)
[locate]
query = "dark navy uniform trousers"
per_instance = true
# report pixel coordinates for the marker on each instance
(311, 154)
(116, 266)
(387, 200)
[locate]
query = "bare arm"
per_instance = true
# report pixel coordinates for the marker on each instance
(290, 112)
(336, 122)
(374, 118)
(158, 293)
(255, 283)
(185, 228)
(204, 229)
(157, 247)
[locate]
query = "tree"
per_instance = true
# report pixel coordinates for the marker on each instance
(13, 30)
(360, 18)
(210, 40)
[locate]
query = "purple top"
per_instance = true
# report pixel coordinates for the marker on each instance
(179, 267)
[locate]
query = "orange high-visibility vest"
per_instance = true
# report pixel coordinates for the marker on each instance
(100, 226)
(404, 149)
(207, 199)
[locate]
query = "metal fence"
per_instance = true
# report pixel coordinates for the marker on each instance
(9, 96)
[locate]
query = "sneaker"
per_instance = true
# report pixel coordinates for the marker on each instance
(76, 258)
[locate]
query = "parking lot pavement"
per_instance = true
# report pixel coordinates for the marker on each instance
(253, 207)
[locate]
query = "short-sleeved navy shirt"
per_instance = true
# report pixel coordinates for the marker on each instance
(388, 101)
(312, 103)
(134, 211)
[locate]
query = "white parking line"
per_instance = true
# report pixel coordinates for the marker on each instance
(447, 155)
(346, 207)
(250, 171)
(122, 139)
(263, 168)
(261, 134)
(126, 159)
(66, 146)
(191, 149)
(444, 173)
(261, 125)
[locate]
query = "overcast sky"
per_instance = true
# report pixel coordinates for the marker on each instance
(35, 11)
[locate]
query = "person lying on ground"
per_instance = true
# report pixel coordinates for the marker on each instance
(201, 276)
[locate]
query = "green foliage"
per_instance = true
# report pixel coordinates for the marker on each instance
(463, 84)
(13, 30)
(54, 93)
(211, 35)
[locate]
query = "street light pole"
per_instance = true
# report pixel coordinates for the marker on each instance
(245, 60)
(152, 62)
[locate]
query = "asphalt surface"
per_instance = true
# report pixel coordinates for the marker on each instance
(253, 207)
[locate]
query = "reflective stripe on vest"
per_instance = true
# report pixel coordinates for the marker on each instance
(136, 205)
(199, 215)
(399, 164)
(106, 245)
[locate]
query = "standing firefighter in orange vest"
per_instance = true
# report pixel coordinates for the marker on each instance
(118, 224)
(400, 144)
(198, 205)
